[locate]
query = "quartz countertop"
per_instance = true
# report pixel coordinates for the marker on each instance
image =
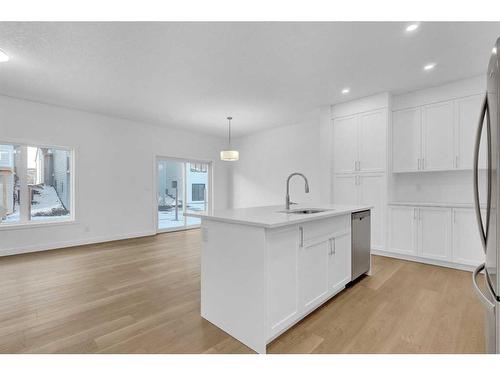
(271, 217)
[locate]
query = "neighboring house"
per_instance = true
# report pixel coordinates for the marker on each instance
(197, 180)
(7, 177)
(170, 173)
(52, 169)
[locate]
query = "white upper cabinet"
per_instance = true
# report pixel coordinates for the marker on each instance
(372, 141)
(360, 142)
(467, 114)
(437, 137)
(406, 143)
(345, 144)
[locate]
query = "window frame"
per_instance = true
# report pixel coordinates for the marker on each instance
(24, 215)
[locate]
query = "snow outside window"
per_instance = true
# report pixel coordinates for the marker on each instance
(35, 184)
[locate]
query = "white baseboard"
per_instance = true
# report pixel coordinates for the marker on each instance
(64, 244)
(434, 262)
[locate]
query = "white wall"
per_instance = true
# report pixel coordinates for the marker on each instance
(114, 171)
(268, 157)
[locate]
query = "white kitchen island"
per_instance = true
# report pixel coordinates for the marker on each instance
(263, 270)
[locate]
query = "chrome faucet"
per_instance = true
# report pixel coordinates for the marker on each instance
(287, 200)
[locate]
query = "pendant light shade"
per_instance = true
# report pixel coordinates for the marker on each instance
(229, 155)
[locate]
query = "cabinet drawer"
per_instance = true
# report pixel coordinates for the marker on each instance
(318, 230)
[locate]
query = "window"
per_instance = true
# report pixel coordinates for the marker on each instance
(35, 184)
(198, 192)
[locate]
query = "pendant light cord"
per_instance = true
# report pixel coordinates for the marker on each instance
(229, 129)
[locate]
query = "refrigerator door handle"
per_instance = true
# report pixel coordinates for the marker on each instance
(483, 231)
(485, 301)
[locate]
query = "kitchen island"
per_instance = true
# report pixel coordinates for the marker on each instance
(265, 268)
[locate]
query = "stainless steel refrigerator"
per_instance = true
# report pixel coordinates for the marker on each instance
(489, 225)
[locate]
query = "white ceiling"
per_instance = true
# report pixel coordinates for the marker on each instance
(192, 75)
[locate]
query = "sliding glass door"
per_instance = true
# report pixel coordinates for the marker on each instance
(180, 185)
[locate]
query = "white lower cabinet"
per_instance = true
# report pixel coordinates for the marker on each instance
(467, 247)
(436, 233)
(403, 230)
(313, 273)
(339, 262)
(307, 265)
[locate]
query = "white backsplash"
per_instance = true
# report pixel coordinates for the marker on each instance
(438, 187)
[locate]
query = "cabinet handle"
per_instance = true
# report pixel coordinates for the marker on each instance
(414, 214)
(334, 246)
(355, 165)
(301, 234)
(359, 165)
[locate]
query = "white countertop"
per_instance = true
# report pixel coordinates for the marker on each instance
(270, 217)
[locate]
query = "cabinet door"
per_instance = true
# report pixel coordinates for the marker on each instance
(437, 137)
(435, 233)
(372, 141)
(345, 144)
(467, 246)
(403, 230)
(406, 133)
(372, 192)
(313, 274)
(345, 190)
(467, 112)
(339, 262)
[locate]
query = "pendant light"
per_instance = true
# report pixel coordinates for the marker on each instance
(229, 155)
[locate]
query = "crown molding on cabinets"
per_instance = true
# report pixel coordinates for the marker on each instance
(433, 95)
(357, 106)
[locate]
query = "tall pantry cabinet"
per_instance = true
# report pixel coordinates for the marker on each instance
(360, 159)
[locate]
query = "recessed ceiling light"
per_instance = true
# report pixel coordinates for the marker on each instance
(430, 66)
(346, 90)
(494, 50)
(3, 56)
(412, 27)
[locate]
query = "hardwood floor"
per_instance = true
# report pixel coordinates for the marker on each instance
(143, 296)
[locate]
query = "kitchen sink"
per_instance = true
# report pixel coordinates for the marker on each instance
(304, 211)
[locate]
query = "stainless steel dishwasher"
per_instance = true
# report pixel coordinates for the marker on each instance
(360, 239)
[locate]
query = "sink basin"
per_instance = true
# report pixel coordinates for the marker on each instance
(304, 211)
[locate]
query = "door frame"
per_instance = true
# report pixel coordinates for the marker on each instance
(184, 193)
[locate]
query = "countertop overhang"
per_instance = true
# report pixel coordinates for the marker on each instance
(271, 217)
